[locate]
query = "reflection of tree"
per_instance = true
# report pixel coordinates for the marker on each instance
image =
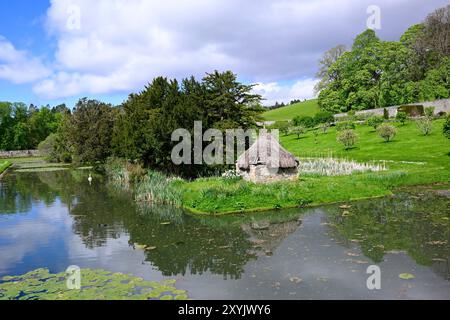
(220, 245)
(417, 224)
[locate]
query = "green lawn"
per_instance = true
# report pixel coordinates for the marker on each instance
(412, 159)
(308, 108)
(4, 164)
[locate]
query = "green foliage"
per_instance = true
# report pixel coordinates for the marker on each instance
(304, 121)
(23, 128)
(377, 74)
(40, 284)
(324, 117)
(89, 131)
(387, 132)
(401, 117)
(282, 126)
(446, 128)
(375, 121)
(348, 138)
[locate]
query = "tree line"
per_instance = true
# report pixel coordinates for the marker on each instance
(377, 74)
(23, 127)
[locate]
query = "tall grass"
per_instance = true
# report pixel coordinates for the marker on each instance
(155, 187)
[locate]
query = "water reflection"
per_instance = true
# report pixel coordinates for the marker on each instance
(54, 219)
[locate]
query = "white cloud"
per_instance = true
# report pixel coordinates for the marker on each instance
(275, 92)
(18, 66)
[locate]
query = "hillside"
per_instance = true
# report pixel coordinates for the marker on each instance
(307, 108)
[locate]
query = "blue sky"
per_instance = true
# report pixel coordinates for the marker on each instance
(61, 50)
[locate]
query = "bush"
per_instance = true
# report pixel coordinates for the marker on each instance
(386, 114)
(425, 125)
(282, 126)
(401, 117)
(446, 128)
(51, 150)
(387, 132)
(304, 121)
(324, 117)
(345, 125)
(375, 121)
(348, 138)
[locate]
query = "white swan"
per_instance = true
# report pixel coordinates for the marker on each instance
(90, 178)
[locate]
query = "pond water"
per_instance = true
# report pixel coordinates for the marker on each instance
(57, 219)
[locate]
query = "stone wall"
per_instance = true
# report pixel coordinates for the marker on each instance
(440, 105)
(19, 154)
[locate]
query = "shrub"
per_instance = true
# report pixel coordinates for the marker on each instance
(304, 121)
(298, 131)
(425, 125)
(348, 138)
(413, 110)
(401, 117)
(387, 132)
(324, 117)
(282, 126)
(386, 114)
(429, 112)
(51, 150)
(446, 128)
(345, 125)
(375, 121)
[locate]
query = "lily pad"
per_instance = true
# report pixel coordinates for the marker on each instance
(406, 276)
(95, 285)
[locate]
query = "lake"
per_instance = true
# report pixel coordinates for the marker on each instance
(57, 219)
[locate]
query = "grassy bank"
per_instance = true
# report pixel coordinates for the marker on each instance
(307, 108)
(411, 159)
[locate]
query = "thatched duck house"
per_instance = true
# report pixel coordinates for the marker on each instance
(267, 161)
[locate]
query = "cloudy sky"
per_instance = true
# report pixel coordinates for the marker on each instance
(61, 50)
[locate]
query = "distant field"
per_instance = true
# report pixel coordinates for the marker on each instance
(307, 108)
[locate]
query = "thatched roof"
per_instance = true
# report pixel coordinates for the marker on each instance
(267, 151)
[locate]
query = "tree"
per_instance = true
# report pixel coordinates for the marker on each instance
(374, 121)
(348, 138)
(387, 132)
(378, 74)
(325, 63)
(90, 131)
(425, 125)
(298, 131)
